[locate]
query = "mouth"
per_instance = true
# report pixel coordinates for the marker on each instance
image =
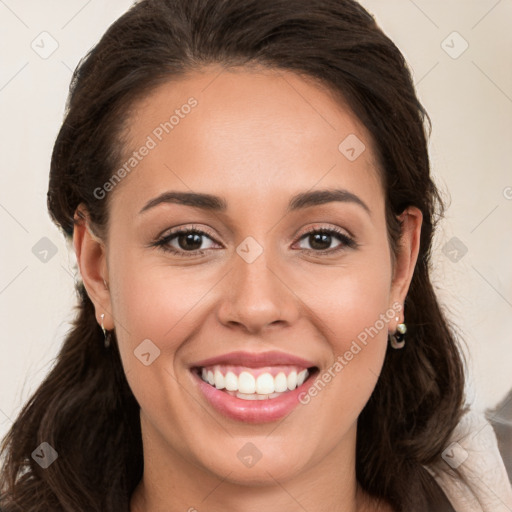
(253, 387)
(248, 383)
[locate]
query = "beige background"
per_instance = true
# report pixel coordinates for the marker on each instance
(468, 95)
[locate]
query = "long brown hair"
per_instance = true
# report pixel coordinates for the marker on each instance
(84, 408)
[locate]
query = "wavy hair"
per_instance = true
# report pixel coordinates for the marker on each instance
(84, 408)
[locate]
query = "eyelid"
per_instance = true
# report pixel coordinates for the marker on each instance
(325, 227)
(185, 228)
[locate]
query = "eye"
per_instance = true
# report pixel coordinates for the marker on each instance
(183, 242)
(189, 242)
(319, 239)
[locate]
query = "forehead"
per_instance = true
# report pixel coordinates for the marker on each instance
(245, 130)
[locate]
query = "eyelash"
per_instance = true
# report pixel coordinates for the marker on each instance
(162, 243)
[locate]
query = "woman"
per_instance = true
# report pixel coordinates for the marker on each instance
(269, 369)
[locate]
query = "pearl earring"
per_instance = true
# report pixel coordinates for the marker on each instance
(397, 339)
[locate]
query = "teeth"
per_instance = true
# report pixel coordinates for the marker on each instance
(219, 379)
(254, 396)
(292, 381)
(281, 382)
(301, 377)
(231, 381)
(249, 387)
(265, 384)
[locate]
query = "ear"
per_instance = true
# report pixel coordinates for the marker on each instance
(408, 249)
(91, 256)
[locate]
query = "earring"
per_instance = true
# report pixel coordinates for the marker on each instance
(105, 332)
(397, 339)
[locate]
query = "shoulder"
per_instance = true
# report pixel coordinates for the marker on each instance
(471, 471)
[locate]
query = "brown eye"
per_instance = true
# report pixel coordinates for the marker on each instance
(320, 241)
(184, 242)
(189, 241)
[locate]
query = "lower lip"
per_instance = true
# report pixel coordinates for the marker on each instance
(253, 411)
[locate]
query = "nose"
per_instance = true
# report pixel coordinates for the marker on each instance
(256, 296)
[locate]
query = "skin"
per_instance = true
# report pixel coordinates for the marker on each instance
(256, 138)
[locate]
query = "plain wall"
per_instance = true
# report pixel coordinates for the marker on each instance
(468, 97)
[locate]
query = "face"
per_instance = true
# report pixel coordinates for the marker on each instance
(306, 279)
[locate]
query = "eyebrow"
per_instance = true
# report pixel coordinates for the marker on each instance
(300, 201)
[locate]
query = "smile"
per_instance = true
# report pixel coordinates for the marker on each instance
(253, 395)
(254, 383)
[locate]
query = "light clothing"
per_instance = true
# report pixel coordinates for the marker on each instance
(471, 471)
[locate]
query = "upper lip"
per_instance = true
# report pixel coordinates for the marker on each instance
(255, 360)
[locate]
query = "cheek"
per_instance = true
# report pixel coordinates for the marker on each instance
(349, 298)
(356, 304)
(352, 312)
(157, 302)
